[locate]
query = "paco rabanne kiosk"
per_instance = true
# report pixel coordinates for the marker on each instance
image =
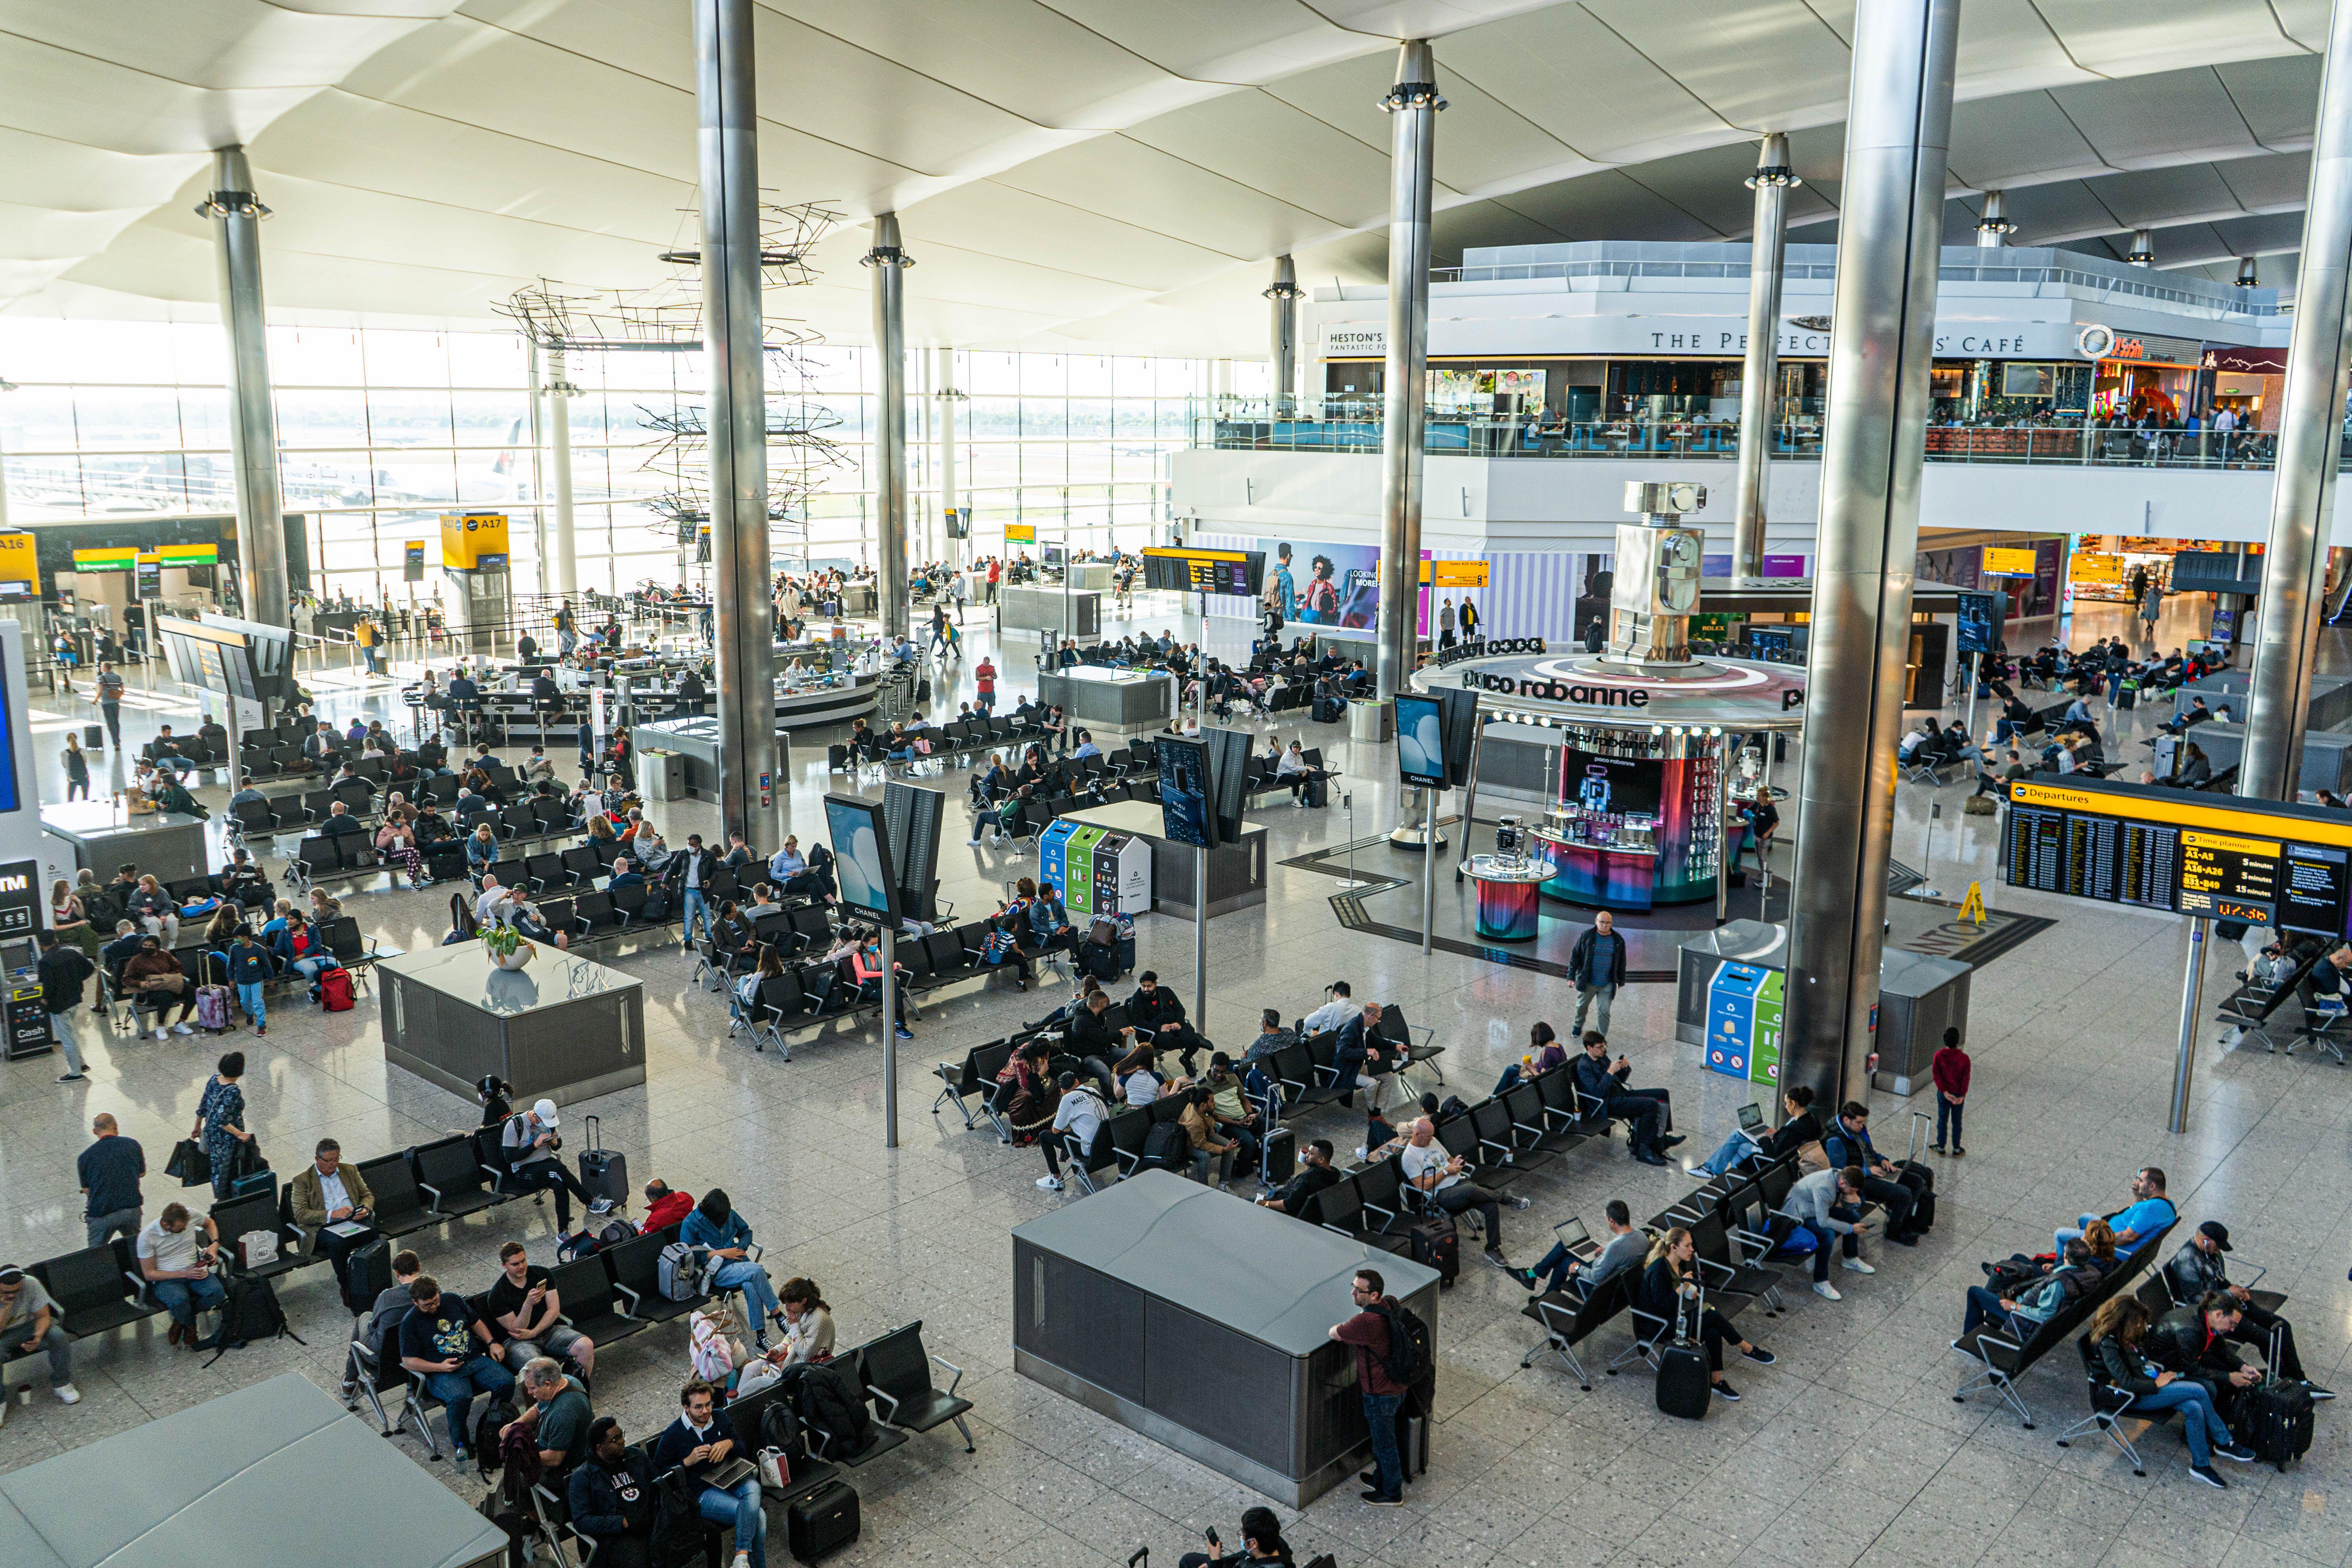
(1636, 758)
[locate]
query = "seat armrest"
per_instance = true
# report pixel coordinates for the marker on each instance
(1490, 1143)
(634, 1299)
(1685, 1216)
(1723, 1270)
(1388, 1216)
(953, 1368)
(893, 1415)
(435, 1192)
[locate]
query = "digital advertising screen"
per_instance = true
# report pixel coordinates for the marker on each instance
(1323, 584)
(1626, 786)
(1420, 741)
(1976, 627)
(1184, 810)
(861, 853)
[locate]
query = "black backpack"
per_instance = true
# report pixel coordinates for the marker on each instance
(1410, 1350)
(824, 1403)
(250, 1313)
(1166, 1147)
(781, 1429)
(488, 1417)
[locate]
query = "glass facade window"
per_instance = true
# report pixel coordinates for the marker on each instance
(379, 430)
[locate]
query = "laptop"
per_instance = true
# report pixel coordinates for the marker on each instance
(1751, 1117)
(729, 1475)
(1578, 1241)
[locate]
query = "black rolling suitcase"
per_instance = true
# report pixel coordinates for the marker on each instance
(602, 1172)
(1319, 793)
(1686, 1388)
(821, 1521)
(2275, 1417)
(370, 1271)
(1277, 1157)
(93, 737)
(1436, 1245)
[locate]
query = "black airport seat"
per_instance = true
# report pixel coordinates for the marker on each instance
(399, 1207)
(96, 1290)
(450, 1177)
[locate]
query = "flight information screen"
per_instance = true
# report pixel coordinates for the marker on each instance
(2170, 849)
(1204, 571)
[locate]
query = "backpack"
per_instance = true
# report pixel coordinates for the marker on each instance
(335, 990)
(1166, 1147)
(483, 1440)
(779, 1429)
(822, 1400)
(251, 1312)
(1410, 1356)
(2043, 1301)
(681, 1272)
(384, 1329)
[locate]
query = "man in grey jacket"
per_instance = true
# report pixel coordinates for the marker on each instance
(1828, 1202)
(1625, 1249)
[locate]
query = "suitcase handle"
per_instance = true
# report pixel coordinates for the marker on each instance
(596, 1125)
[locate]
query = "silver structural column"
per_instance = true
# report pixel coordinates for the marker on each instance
(561, 542)
(734, 338)
(890, 263)
(947, 397)
(1283, 335)
(1890, 234)
(1413, 105)
(2303, 493)
(236, 217)
(2192, 990)
(1761, 378)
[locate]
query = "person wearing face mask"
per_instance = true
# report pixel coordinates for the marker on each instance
(715, 1226)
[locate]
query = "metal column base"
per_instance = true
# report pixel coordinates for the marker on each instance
(1409, 837)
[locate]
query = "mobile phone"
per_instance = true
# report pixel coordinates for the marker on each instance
(1214, 1543)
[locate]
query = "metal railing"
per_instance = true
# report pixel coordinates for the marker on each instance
(2073, 445)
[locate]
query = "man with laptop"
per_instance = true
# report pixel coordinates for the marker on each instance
(1753, 1140)
(729, 1481)
(1576, 1256)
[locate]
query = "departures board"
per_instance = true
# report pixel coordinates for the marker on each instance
(2183, 851)
(1240, 572)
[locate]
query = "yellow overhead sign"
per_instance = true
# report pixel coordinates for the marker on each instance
(1020, 533)
(471, 540)
(20, 572)
(2002, 562)
(2087, 566)
(1453, 574)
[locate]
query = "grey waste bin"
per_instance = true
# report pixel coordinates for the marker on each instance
(1370, 720)
(1918, 998)
(662, 775)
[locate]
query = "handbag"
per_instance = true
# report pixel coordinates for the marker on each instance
(775, 1470)
(190, 1163)
(245, 1160)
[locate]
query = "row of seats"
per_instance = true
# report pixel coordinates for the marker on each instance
(321, 856)
(98, 1290)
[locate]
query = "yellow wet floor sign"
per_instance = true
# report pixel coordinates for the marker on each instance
(1972, 907)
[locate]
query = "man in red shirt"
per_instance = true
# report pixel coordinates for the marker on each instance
(983, 681)
(1950, 1069)
(994, 568)
(1368, 1332)
(664, 1207)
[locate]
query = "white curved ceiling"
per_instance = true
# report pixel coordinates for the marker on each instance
(1078, 174)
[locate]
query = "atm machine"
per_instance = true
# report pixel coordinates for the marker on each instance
(474, 559)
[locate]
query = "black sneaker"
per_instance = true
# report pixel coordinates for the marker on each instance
(1760, 1355)
(1672, 1141)
(2205, 1473)
(1725, 1391)
(1379, 1499)
(2317, 1392)
(2237, 1453)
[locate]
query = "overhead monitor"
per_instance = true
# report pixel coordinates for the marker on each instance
(1186, 814)
(1999, 561)
(2184, 852)
(1240, 572)
(861, 852)
(1420, 741)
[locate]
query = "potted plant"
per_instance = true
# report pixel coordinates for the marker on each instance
(507, 948)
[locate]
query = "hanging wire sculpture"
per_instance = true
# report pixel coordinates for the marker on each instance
(667, 318)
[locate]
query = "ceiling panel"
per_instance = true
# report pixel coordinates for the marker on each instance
(45, 171)
(1713, 187)
(2007, 47)
(1482, 144)
(2067, 207)
(1003, 220)
(2128, 40)
(2155, 197)
(1607, 205)
(2153, 122)
(2269, 184)
(1566, 71)
(2022, 139)
(1763, 65)
(2279, 98)
(218, 44)
(72, 97)
(1222, 40)
(1284, 151)
(1149, 189)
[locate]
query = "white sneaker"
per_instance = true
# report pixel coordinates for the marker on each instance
(66, 1394)
(1051, 1183)
(181, 1029)
(1826, 1291)
(163, 1035)
(1521, 1203)
(1359, 1152)
(1859, 1267)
